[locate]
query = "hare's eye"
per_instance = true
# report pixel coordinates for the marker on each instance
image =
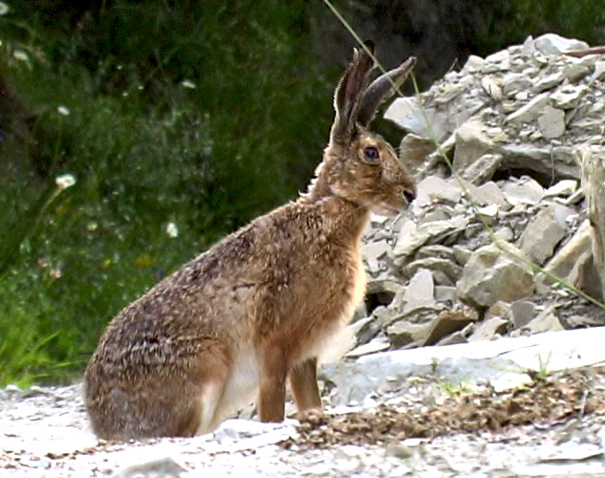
(371, 154)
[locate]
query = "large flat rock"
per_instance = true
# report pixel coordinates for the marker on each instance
(502, 362)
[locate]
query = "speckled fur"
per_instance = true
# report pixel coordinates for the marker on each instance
(255, 309)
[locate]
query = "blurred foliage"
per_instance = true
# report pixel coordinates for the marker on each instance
(188, 116)
(166, 113)
(509, 23)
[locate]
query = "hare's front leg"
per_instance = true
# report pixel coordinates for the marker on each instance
(272, 395)
(303, 382)
(272, 389)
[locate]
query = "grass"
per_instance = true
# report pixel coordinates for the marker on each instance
(161, 121)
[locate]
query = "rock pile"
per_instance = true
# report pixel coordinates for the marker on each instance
(475, 258)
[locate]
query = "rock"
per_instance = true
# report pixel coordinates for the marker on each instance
(421, 315)
(403, 334)
(499, 309)
(412, 117)
(540, 159)
(244, 434)
(461, 254)
(482, 169)
(570, 451)
(379, 344)
(448, 92)
(581, 321)
(435, 212)
(553, 44)
(240, 429)
(568, 97)
(490, 329)
(488, 214)
(592, 163)
(550, 81)
(420, 291)
(551, 122)
(408, 229)
(415, 149)
(573, 260)
(374, 251)
(599, 71)
(409, 242)
(505, 234)
(499, 59)
(492, 87)
(497, 361)
(446, 323)
(528, 48)
(493, 273)
(515, 82)
(383, 284)
(436, 251)
(162, 468)
(521, 313)
(576, 71)
(447, 270)
(445, 293)
(520, 109)
(378, 219)
(530, 111)
(472, 142)
(455, 338)
(473, 64)
(434, 189)
(367, 328)
(487, 194)
(565, 188)
(542, 235)
(546, 321)
(397, 223)
(525, 190)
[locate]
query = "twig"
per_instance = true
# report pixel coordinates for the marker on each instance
(596, 50)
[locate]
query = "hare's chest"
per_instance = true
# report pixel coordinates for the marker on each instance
(330, 339)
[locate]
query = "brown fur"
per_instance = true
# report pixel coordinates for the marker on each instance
(257, 308)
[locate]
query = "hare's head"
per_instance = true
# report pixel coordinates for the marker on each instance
(359, 165)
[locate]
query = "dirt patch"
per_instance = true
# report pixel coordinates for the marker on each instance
(549, 399)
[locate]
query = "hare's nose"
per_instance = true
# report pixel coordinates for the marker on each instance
(409, 195)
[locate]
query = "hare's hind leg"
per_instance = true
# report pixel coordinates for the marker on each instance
(187, 408)
(303, 383)
(212, 376)
(199, 418)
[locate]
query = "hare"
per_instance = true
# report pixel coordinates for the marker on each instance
(261, 305)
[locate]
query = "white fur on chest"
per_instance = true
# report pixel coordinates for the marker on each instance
(243, 381)
(238, 391)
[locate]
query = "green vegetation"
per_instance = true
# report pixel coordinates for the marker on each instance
(509, 23)
(164, 115)
(181, 119)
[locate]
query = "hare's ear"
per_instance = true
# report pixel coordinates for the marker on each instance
(381, 89)
(349, 92)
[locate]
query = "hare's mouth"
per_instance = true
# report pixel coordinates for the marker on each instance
(392, 206)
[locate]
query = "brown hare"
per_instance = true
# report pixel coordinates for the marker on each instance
(260, 306)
